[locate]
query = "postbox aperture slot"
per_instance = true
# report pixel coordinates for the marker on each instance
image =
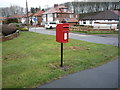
(65, 27)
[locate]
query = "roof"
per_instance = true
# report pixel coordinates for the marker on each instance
(105, 15)
(68, 19)
(117, 12)
(56, 10)
(2, 18)
(29, 14)
(38, 13)
(72, 20)
(16, 16)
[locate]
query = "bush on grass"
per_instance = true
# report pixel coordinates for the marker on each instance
(8, 29)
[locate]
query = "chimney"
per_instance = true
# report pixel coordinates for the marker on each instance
(55, 5)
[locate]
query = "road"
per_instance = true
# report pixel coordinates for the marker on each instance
(105, 76)
(89, 38)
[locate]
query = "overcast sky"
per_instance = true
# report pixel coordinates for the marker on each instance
(37, 3)
(31, 3)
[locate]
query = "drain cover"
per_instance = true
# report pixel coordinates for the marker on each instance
(103, 36)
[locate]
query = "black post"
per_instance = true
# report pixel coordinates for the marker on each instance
(61, 54)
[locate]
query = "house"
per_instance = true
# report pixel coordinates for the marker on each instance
(1, 19)
(24, 18)
(34, 18)
(38, 17)
(19, 17)
(60, 14)
(103, 20)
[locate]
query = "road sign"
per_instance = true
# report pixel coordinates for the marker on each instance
(35, 19)
(66, 19)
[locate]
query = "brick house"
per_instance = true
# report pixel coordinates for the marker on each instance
(38, 16)
(60, 14)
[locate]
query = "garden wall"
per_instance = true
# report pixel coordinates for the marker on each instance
(81, 28)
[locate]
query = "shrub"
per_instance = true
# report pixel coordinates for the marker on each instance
(0, 30)
(11, 20)
(8, 29)
(18, 26)
(79, 25)
(23, 29)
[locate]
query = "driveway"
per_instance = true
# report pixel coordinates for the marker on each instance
(112, 40)
(105, 76)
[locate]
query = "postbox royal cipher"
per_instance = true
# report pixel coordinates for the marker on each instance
(62, 32)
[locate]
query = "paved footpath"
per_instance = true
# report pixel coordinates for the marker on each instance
(105, 76)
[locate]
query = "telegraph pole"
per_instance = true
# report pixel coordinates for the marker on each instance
(27, 15)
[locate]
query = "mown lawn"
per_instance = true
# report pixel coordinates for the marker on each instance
(34, 59)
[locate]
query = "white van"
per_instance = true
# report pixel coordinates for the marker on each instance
(50, 25)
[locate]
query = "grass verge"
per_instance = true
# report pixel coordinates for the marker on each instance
(33, 59)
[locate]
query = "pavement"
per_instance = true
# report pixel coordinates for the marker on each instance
(105, 76)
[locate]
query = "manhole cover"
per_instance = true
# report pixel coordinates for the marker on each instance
(103, 36)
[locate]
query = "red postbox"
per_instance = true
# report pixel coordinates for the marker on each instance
(62, 32)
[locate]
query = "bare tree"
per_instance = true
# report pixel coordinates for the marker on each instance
(88, 7)
(12, 10)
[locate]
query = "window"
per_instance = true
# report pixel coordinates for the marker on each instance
(55, 15)
(84, 22)
(65, 10)
(50, 15)
(90, 22)
(71, 16)
(76, 16)
(44, 16)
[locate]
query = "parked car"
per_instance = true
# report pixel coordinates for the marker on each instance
(49, 25)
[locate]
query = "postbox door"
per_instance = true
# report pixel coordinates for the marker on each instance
(65, 35)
